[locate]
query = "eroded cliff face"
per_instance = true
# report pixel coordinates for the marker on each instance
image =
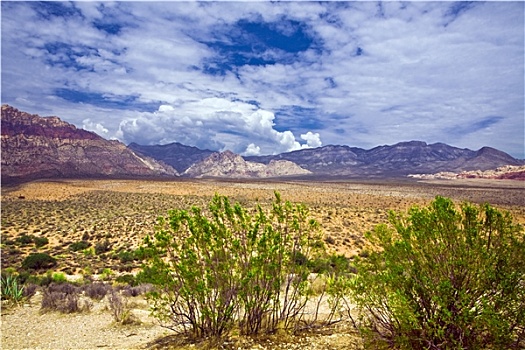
(229, 164)
(37, 147)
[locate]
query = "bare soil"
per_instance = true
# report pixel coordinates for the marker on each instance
(123, 212)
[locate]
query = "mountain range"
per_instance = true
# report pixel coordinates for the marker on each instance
(47, 147)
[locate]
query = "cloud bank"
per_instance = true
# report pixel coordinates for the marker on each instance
(263, 78)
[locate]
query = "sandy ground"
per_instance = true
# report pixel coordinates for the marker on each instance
(26, 327)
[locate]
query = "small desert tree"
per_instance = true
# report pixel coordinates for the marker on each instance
(444, 278)
(229, 266)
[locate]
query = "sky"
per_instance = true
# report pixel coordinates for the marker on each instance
(265, 77)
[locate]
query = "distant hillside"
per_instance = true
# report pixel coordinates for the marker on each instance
(231, 165)
(175, 154)
(36, 147)
(413, 157)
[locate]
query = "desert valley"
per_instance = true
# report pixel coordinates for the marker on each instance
(89, 204)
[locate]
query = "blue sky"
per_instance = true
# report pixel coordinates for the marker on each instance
(263, 78)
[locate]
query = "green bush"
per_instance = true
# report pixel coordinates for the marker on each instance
(40, 241)
(128, 279)
(444, 278)
(25, 239)
(126, 256)
(59, 277)
(81, 245)
(37, 261)
(230, 268)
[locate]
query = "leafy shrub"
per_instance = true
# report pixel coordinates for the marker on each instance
(24, 239)
(231, 268)
(37, 261)
(128, 279)
(444, 278)
(80, 245)
(59, 277)
(126, 256)
(106, 274)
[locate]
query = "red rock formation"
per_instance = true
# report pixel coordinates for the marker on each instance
(36, 147)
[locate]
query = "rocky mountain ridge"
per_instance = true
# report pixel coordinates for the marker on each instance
(231, 165)
(400, 159)
(44, 147)
(36, 147)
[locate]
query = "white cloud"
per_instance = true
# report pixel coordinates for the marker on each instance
(252, 150)
(312, 140)
(214, 123)
(87, 124)
(372, 76)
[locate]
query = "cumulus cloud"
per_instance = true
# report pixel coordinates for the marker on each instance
(313, 140)
(89, 125)
(214, 123)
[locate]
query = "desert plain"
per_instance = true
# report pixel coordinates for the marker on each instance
(120, 213)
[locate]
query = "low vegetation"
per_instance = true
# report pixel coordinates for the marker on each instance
(438, 276)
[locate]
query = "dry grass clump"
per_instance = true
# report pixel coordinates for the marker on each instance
(64, 298)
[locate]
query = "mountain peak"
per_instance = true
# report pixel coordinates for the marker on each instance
(229, 164)
(37, 147)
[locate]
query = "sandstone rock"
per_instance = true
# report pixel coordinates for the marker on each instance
(229, 164)
(36, 147)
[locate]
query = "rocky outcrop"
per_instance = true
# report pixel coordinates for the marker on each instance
(231, 165)
(37, 147)
(509, 172)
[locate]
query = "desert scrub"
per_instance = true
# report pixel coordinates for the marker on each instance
(96, 290)
(231, 268)
(120, 309)
(40, 241)
(444, 278)
(64, 298)
(37, 261)
(80, 245)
